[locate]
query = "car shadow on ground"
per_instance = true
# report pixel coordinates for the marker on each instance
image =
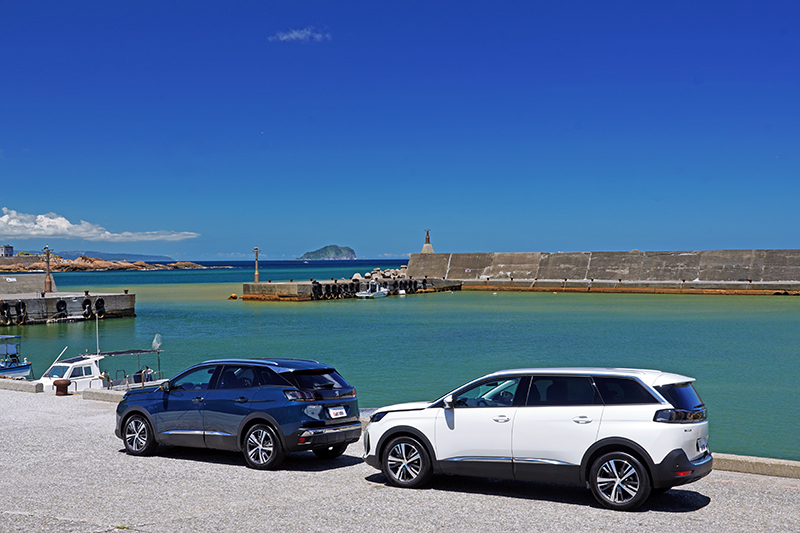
(295, 461)
(676, 500)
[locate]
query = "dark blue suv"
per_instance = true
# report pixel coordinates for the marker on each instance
(263, 408)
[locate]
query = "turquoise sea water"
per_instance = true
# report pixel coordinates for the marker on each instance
(743, 350)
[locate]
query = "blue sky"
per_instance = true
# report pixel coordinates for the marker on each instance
(202, 129)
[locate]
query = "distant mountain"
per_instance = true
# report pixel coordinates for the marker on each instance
(74, 254)
(330, 252)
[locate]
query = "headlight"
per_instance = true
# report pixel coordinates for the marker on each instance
(377, 416)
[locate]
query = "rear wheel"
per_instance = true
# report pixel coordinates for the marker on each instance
(619, 481)
(262, 448)
(330, 452)
(138, 436)
(406, 463)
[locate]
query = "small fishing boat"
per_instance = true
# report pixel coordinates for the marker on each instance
(375, 290)
(83, 371)
(11, 366)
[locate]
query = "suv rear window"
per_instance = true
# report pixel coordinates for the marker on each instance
(316, 379)
(623, 391)
(681, 396)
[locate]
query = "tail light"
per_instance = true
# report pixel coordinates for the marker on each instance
(680, 416)
(299, 395)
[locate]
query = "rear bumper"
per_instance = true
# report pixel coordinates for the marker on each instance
(308, 438)
(672, 471)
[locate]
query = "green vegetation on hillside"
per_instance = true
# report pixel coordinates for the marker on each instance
(330, 252)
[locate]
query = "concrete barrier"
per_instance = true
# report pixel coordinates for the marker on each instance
(21, 385)
(757, 465)
(103, 395)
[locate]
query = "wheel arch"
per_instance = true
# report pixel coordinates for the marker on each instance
(617, 444)
(407, 431)
(138, 410)
(259, 418)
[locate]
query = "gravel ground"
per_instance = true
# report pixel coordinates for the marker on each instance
(66, 471)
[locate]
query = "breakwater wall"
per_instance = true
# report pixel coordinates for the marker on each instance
(23, 301)
(302, 291)
(706, 272)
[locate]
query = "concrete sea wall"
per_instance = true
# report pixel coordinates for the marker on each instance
(715, 271)
(23, 301)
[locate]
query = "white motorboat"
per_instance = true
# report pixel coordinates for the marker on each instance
(375, 290)
(83, 371)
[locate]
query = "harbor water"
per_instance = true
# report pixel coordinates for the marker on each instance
(743, 350)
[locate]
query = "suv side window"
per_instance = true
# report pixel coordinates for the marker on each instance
(562, 390)
(236, 377)
(493, 393)
(622, 391)
(197, 379)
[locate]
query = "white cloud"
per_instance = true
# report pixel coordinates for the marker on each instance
(25, 226)
(306, 35)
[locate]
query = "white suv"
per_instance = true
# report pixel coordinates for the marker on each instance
(624, 433)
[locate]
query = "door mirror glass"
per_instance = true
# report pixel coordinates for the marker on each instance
(164, 386)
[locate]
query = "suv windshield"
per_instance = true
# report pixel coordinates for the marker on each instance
(316, 379)
(681, 396)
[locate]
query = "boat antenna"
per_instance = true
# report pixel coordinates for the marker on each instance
(59, 355)
(97, 331)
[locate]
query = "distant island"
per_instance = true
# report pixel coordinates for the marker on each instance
(330, 252)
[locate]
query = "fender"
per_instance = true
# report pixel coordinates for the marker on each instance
(408, 430)
(136, 409)
(618, 444)
(262, 416)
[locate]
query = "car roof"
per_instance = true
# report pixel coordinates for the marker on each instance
(653, 378)
(278, 365)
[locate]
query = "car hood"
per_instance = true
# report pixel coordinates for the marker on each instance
(411, 406)
(140, 391)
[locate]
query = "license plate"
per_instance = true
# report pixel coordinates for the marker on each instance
(702, 444)
(337, 412)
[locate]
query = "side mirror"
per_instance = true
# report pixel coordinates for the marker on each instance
(448, 401)
(164, 386)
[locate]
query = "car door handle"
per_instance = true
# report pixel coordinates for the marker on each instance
(501, 419)
(240, 399)
(583, 419)
(198, 399)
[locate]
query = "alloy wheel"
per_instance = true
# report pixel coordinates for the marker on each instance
(260, 446)
(405, 462)
(618, 481)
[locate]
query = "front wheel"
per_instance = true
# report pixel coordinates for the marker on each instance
(262, 448)
(406, 463)
(619, 481)
(138, 436)
(330, 452)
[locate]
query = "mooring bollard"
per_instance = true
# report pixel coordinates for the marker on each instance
(61, 386)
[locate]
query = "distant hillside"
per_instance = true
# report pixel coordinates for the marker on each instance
(73, 254)
(330, 252)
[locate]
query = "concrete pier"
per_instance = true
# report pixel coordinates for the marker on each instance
(306, 291)
(23, 301)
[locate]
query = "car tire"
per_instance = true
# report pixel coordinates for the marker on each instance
(138, 436)
(262, 448)
(619, 481)
(405, 463)
(330, 452)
